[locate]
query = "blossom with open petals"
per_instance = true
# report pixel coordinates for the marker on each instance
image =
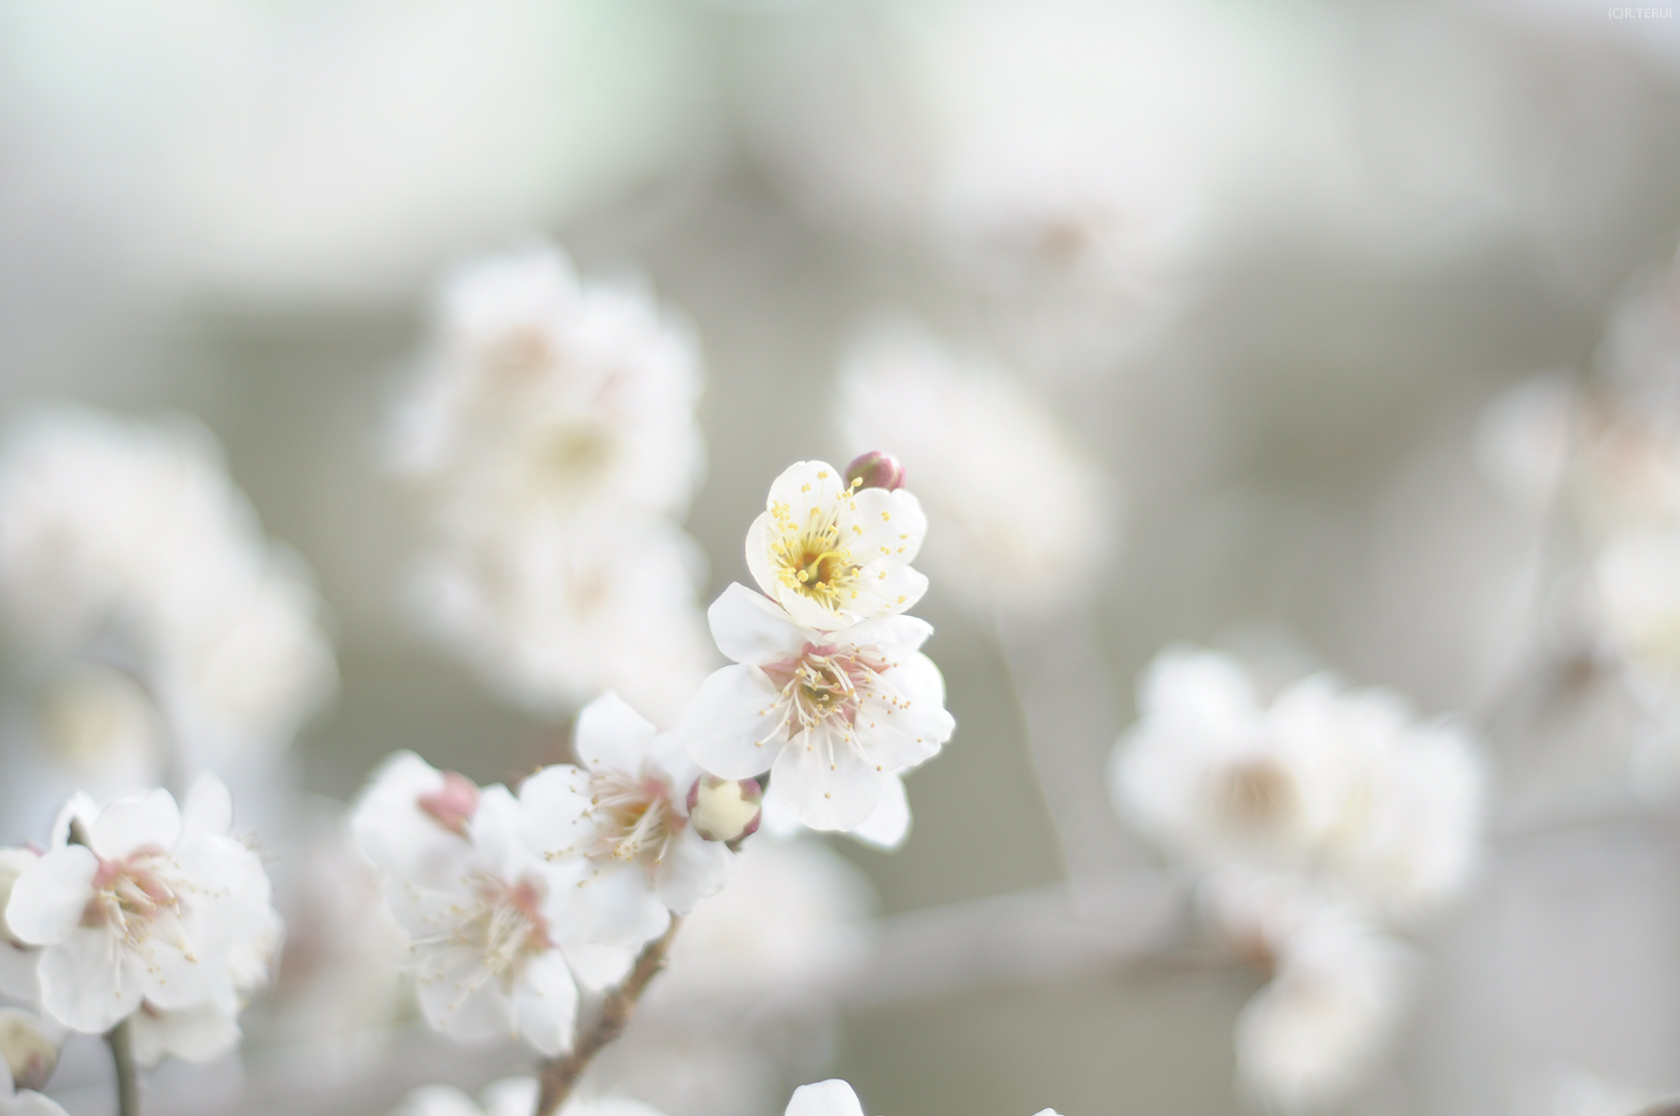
(160, 905)
(833, 716)
(833, 554)
(488, 918)
(624, 814)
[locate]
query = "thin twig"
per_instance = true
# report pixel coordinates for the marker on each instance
(128, 1082)
(560, 1075)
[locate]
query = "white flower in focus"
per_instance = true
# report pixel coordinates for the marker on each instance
(486, 916)
(1341, 786)
(832, 554)
(1020, 517)
(624, 814)
(161, 904)
(1313, 1035)
(143, 604)
(511, 1096)
(833, 716)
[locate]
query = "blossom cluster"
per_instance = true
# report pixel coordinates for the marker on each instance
(142, 913)
(551, 439)
(148, 624)
(1316, 825)
(517, 905)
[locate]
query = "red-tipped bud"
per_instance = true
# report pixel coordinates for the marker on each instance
(725, 810)
(875, 470)
(29, 1049)
(453, 804)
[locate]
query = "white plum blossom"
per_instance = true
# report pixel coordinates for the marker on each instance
(511, 1096)
(1020, 517)
(551, 439)
(1313, 1035)
(148, 620)
(834, 716)
(837, 1098)
(160, 905)
(832, 553)
(487, 917)
(624, 814)
(1341, 786)
(29, 1048)
(25, 1102)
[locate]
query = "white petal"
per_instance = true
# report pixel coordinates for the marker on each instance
(437, 1100)
(893, 519)
(826, 1098)
(751, 628)
(729, 725)
(611, 735)
(514, 1096)
(463, 999)
(84, 983)
(554, 810)
(832, 787)
(894, 635)
(547, 1003)
(29, 1103)
(599, 965)
(49, 898)
(807, 611)
(889, 825)
(82, 808)
(758, 555)
(693, 870)
(617, 904)
(209, 807)
(147, 821)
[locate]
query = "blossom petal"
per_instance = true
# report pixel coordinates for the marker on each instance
(826, 1098)
(462, 998)
(893, 526)
(82, 808)
(615, 904)
(894, 635)
(758, 555)
(30, 1103)
(554, 810)
(889, 826)
(612, 735)
(49, 898)
(84, 983)
(693, 870)
(209, 807)
(598, 965)
(147, 821)
(832, 786)
(751, 628)
(547, 1003)
(727, 726)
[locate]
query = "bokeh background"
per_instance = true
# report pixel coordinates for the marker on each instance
(1346, 228)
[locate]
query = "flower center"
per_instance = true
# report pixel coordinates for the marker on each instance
(634, 815)
(824, 683)
(507, 925)
(1257, 794)
(131, 897)
(808, 557)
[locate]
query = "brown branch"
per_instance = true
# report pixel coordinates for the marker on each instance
(560, 1075)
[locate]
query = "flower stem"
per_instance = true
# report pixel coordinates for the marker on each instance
(128, 1083)
(560, 1075)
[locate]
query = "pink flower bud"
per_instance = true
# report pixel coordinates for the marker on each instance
(725, 810)
(453, 804)
(875, 470)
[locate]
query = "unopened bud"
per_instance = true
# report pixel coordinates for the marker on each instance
(453, 804)
(13, 862)
(725, 810)
(29, 1047)
(875, 470)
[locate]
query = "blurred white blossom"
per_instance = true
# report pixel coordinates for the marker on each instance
(150, 625)
(551, 439)
(1021, 519)
(511, 1096)
(161, 909)
(836, 1098)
